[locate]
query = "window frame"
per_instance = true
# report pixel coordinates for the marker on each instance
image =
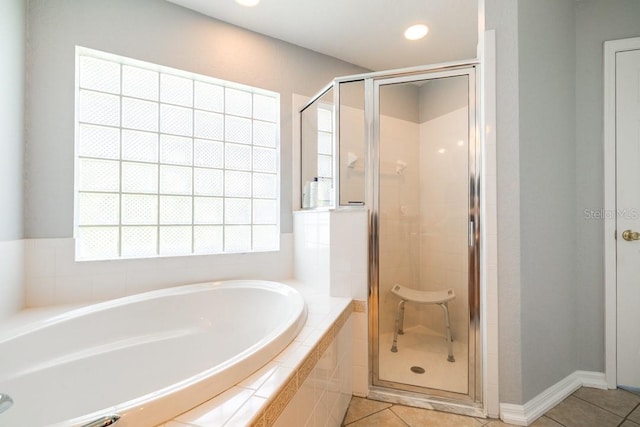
(192, 166)
(326, 108)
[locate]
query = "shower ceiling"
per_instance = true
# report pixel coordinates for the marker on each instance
(368, 33)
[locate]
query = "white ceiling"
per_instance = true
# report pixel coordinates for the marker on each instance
(368, 33)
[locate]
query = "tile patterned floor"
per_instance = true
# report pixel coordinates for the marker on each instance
(587, 407)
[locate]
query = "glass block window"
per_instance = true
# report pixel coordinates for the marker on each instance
(172, 163)
(325, 135)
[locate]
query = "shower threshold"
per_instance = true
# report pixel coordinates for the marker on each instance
(421, 400)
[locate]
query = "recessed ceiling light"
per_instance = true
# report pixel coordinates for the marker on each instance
(248, 3)
(415, 32)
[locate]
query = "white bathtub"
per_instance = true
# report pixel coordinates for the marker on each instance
(146, 357)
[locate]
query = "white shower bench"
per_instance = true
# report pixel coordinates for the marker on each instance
(440, 298)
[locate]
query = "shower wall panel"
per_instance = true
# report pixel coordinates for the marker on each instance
(444, 216)
(399, 215)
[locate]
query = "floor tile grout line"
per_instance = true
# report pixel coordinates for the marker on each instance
(398, 415)
(552, 419)
(633, 410)
(368, 415)
(400, 418)
(546, 414)
(599, 407)
(626, 418)
(374, 413)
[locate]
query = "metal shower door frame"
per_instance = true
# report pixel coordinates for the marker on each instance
(470, 403)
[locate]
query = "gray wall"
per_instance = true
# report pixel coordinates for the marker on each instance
(546, 68)
(502, 16)
(596, 22)
(12, 46)
(550, 166)
(154, 31)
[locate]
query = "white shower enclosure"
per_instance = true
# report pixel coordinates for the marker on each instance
(404, 145)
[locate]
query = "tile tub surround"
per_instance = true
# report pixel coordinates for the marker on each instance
(297, 383)
(53, 277)
(12, 289)
(331, 250)
(360, 350)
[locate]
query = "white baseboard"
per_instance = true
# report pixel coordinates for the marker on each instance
(524, 415)
(593, 379)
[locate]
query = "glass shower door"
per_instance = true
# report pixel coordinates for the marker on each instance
(425, 217)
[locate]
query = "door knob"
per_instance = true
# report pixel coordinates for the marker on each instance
(629, 235)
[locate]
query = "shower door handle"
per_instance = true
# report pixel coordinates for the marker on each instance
(472, 233)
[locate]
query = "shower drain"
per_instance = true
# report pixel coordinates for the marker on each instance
(417, 370)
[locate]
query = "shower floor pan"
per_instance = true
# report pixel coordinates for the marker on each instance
(423, 347)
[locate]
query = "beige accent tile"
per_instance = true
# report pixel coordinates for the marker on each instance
(275, 408)
(384, 418)
(359, 306)
(307, 366)
(618, 401)
(574, 412)
(342, 319)
(326, 341)
(545, 422)
(417, 417)
(360, 408)
(249, 414)
(635, 415)
(218, 410)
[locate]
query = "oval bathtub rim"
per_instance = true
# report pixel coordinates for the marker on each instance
(33, 326)
(296, 321)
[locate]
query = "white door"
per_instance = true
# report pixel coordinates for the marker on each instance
(628, 217)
